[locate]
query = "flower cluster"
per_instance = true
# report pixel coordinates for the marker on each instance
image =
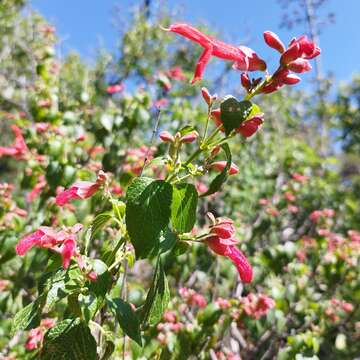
(256, 305)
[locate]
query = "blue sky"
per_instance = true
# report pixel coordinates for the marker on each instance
(85, 24)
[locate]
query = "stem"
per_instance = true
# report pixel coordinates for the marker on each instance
(206, 126)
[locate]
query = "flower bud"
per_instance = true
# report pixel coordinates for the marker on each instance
(299, 66)
(220, 166)
(291, 79)
(188, 138)
(206, 95)
(274, 41)
(291, 54)
(166, 137)
(245, 81)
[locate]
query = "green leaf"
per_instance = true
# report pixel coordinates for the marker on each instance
(255, 110)
(103, 283)
(168, 242)
(88, 304)
(183, 207)
(222, 177)
(127, 318)
(186, 130)
(157, 298)
(27, 318)
(234, 112)
(99, 222)
(71, 340)
(148, 213)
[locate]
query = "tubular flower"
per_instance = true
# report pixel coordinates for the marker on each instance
(62, 242)
(234, 254)
(244, 58)
(274, 41)
(115, 88)
(222, 242)
(80, 190)
(220, 166)
(18, 149)
(247, 128)
(301, 48)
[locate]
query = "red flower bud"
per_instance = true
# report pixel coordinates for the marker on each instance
(249, 127)
(291, 79)
(188, 138)
(274, 41)
(206, 95)
(220, 166)
(166, 136)
(299, 66)
(245, 81)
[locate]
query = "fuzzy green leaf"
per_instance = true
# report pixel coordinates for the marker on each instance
(148, 213)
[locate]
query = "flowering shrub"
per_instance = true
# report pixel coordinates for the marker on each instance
(104, 234)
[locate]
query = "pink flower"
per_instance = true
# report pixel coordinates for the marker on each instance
(301, 48)
(299, 178)
(274, 41)
(222, 227)
(35, 337)
(250, 127)
(44, 237)
(209, 99)
(220, 166)
(38, 188)
(223, 303)
(245, 81)
(247, 128)
(217, 245)
(62, 242)
(68, 251)
(289, 196)
(272, 211)
(170, 316)
(166, 137)
(299, 66)
(161, 103)
(18, 149)
(42, 127)
(245, 59)
(115, 88)
(293, 209)
(315, 215)
(190, 137)
(176, 73)
(80, 190)
(257, 305)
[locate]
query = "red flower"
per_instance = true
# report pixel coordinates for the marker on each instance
(190, 137)
(166, 136)
(116, 88)
(234, 254)
(257, 306)
(245, 59)
(62, 242)
(300, 48)
(251, 126)
(247, 128)
(80, 190)
(220, 166)
(38, 188)
(18, 149)
(176, 73)
(274, 41)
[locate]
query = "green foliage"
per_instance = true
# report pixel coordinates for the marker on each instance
(70, 339)
(148, 213)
